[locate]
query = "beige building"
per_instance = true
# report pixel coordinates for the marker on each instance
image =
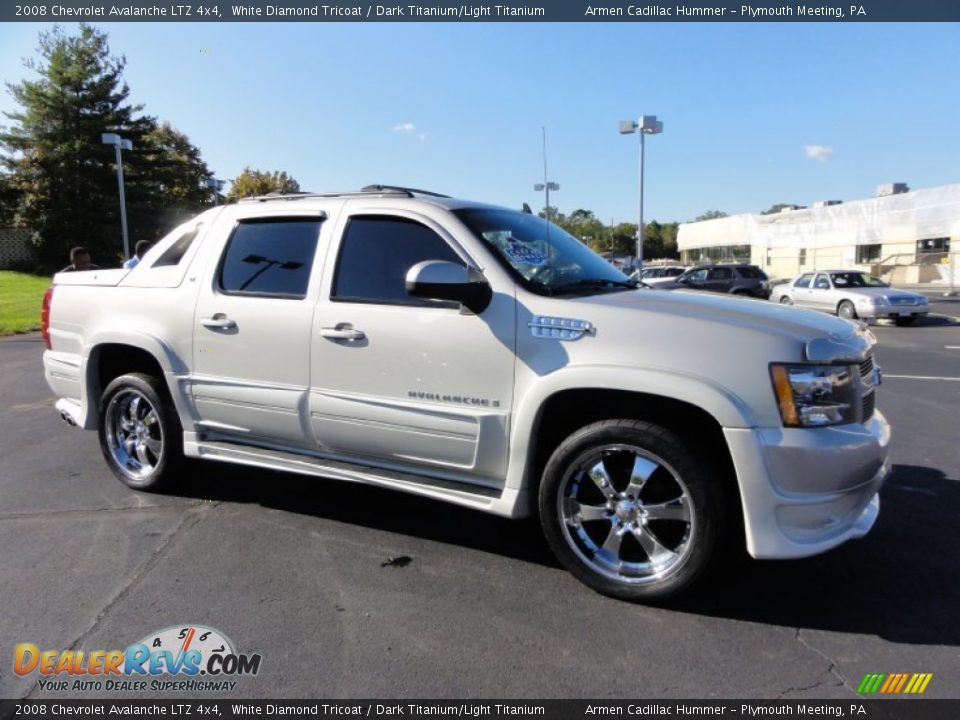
(904, 236)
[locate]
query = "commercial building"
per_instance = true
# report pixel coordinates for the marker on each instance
(902, 235)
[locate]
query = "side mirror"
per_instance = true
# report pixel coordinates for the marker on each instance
(441, 280)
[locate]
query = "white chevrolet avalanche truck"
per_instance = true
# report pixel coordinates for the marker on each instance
(481, 356)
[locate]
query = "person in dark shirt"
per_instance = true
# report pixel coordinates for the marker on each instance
(80, 260)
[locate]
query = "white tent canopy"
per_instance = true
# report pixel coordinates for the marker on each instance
(920, 214)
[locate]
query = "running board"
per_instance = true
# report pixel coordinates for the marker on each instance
(460, 492)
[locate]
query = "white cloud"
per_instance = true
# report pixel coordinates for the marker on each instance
(404, 127)
(820, 153)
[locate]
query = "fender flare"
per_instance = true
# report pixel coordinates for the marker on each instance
(170, 363)
(721, 403)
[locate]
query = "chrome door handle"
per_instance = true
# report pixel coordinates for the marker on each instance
(218, 322)
(342, 333)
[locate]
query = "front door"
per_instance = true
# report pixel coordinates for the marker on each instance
(252, 332)
(400, 381)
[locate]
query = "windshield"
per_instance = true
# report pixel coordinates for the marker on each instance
(549, 260)
(856, 279)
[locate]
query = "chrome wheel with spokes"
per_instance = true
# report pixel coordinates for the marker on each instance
(134, 434)
(630, 511)
(627, 513)
(140, 433)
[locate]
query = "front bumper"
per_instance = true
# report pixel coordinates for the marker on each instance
(891, 312)
(807, 490)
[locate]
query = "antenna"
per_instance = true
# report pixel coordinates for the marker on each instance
(546, 185)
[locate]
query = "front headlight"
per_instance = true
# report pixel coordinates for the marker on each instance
(878, 301)
(815, 395)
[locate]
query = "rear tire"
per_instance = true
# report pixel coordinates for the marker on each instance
(785, 300)
(140, 433)
(630, 512)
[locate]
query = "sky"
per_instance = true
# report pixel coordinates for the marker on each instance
(754, 114)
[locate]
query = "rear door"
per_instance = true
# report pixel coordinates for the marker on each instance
(403, 381)
(252, 331)
(719, 279)
(821, 293)
(802, 293)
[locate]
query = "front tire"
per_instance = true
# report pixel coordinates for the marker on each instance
(629, 511)
(140, 433)
(785, 300)
(846, 310)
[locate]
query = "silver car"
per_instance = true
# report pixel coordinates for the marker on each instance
(851, 294)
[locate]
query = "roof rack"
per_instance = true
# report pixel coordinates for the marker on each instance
(366, 190)
(410, 192)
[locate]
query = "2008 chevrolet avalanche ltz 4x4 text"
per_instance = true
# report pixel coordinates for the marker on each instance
(485, 357)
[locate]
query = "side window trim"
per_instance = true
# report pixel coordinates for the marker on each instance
(412, 302)
(259, 220)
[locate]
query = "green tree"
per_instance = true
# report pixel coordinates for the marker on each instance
(10, 198)
(63, 178)
(251, 183)
(54, 153)
(168, 182)
(710, 215)
(623, 237)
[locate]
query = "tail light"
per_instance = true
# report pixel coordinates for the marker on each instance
(45, 316)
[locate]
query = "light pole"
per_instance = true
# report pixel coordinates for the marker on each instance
(546, 185)
(216, 186)
(119, 144)
(645, 125)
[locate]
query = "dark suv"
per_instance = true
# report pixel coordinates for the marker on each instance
(735, 279)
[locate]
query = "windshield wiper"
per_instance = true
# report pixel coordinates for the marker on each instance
(594, 284)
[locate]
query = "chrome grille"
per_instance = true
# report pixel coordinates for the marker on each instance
(866, 367)
(866, 412)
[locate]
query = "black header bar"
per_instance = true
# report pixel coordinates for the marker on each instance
(504, 11)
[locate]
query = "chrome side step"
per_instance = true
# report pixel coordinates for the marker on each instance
(248, 454)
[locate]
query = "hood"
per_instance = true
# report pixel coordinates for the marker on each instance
(824, 337)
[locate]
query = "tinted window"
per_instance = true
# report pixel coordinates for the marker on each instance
(174, 254)
(672, 272)
(270, 257)
(721, 274)
(377, 253)
(752, 273)
(697, 274)
(803, 281)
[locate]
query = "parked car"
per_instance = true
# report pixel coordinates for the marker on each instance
(483, 357)
(659, 275)
(852, 294)
(748, 280)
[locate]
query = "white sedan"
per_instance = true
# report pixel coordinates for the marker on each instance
(851, 294)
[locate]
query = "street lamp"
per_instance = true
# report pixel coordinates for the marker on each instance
(119, 144)
(216, 186)
(546, 185)
(645, 125)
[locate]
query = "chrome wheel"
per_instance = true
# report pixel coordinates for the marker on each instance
(846, 310)
(134, 434)
(627, 514)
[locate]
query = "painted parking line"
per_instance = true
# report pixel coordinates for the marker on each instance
(921, 377)
(951, 347)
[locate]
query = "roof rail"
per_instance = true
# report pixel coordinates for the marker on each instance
(307, 195)
(366, 190)
(410, 192)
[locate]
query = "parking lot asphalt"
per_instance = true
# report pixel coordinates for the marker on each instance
(299, 571)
